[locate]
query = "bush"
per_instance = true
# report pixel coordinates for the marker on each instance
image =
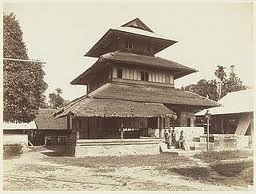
(12, 150)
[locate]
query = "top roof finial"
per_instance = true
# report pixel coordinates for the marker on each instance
(137, 23)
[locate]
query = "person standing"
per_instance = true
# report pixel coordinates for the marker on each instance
(165, 136)
(169, 141)
(173, 136)
(181, 141)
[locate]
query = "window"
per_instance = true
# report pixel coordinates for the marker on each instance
(119, 73)
(167, 78)
(144, 76)
(128, 44)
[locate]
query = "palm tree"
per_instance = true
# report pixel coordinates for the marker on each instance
(221, 75)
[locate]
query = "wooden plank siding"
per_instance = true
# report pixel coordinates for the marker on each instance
(101, 128)
(135, 74)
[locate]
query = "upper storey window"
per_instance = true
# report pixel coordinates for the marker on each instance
(144, 76)
(128, 44)
(119, 73)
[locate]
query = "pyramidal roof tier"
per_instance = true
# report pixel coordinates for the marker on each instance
(178, 70)
(134, 29)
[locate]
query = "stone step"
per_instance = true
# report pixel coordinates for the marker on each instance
(178, 152)
(200, 145)
(199, 139)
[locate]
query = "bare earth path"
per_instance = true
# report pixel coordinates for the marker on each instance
(37, 171)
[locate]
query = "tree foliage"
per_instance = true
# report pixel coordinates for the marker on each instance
(209, 88)
(23, 82)
(56, 101)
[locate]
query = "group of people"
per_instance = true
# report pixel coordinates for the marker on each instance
(170, 137)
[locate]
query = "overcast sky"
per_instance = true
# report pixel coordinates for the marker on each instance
(208, 35)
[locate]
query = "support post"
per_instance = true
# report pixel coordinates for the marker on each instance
(208, 132)
(122, 130)
(207, 116)
(160, 127)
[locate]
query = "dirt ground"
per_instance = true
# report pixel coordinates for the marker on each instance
(41, 171)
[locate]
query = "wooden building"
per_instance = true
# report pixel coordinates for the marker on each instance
(49, 130)
(130, 92)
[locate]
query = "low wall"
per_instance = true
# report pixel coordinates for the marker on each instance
(117, 147)
(10, 139)
(190, 132)
(230, 141)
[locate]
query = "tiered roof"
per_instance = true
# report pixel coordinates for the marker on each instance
(119, 100)
(136, 60)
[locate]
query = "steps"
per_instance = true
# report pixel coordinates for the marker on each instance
(194, 146)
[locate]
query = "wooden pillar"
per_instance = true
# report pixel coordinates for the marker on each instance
(122, 130)
(221, 125)
(160, 127)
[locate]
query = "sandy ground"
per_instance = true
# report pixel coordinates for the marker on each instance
(35, 171)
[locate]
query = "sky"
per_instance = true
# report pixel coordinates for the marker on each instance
(208, 34)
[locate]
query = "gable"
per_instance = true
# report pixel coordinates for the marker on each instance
(137, 23)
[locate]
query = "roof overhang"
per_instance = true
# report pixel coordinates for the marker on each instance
(102, 45)
(89, 107)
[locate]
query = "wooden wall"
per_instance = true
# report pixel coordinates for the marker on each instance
(138, 45)
(154, 76)
(97, 128)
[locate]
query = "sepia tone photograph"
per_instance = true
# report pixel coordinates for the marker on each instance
(128, 96)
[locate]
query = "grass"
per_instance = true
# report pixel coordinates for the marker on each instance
(213, 156)
(231, 169)
(197, 173)
(161, 161)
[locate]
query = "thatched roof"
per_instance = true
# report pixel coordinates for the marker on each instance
(45, 120)
(119, 100)
(152, 94)
(88, 107)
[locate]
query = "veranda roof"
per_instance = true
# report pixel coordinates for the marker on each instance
(150, 93)
(233, 103)
(89, 107)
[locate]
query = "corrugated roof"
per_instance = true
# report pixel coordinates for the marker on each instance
(153, 94)
(19, 126)
(88, 107)
(46, 120)
(234, 102)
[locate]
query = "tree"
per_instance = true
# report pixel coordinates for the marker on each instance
(221, 75)
(56, 101)
(209, 88)
(206, 88)
(23, 82)
(233, 83)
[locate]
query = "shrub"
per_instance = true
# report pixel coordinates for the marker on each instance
(12, 149)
